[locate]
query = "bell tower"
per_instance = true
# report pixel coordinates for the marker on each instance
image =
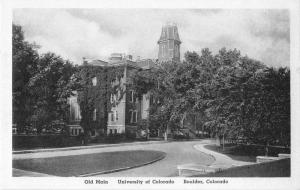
(169, 44)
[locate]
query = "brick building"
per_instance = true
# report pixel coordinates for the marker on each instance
(124, 116)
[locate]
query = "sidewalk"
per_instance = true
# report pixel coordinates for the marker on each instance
(220, 159)
(85, 147)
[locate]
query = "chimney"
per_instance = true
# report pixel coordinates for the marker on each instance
(84, 61)
(129, 57)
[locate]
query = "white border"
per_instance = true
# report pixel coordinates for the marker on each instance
(8, 182)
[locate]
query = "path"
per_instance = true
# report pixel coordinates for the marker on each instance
(221, 159)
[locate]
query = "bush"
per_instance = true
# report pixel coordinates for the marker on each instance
(260, 150)
(115, 138)
(43, 141)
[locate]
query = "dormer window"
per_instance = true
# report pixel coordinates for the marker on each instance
(94, 81)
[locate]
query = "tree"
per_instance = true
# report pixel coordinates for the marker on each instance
(25, 61)
(222, 86)
(268, 107)
(158, 82)
(50, 87)
(41, 84)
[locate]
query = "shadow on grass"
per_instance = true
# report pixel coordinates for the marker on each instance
(235, 152)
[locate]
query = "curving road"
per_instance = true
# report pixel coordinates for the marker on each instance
(177, 153)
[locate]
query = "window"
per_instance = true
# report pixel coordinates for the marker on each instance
(111, 99)
(95, 114)
(112, 116)
(176, 51)
(117, 117)
(94, 81)
(110, 131)
(74, 109)
(133, 116)
(171, 45)
(132, 96)
(171, 33)
(115, 131)
(119, 95)
(151, 100)
(166, 48)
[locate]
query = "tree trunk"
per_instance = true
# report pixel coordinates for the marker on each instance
(267, 149)
(166, 133)
(223, 142)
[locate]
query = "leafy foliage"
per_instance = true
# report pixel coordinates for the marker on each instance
(98, 96)
(241, 97)
(41, 84)
(51, 86)
(25, 61)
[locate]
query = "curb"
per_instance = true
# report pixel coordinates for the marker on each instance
(195, 147)
(26, 173)
(125, 168)
(86, 147)
(207, 151)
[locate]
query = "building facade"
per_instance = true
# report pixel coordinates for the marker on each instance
(127, 112)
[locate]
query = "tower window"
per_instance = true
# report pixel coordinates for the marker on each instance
(171, 44)
(171, 33)
(176, 51)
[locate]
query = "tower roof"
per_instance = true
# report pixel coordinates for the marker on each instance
(169, 32)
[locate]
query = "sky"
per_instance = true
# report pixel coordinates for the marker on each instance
(260, 34)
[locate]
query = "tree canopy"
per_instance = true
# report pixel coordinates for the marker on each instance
(41, 84)
(240, 97)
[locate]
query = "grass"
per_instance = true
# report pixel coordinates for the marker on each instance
(67, 166)
(234, 152)
(279, 168)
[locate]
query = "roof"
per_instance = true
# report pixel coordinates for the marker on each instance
(98, 63)
(139, 64)
(169, 32)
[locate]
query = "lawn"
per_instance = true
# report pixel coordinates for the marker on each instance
(247, 153)
(279, 168)
(67, 166)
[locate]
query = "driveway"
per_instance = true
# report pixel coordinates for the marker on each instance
(176, 153)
